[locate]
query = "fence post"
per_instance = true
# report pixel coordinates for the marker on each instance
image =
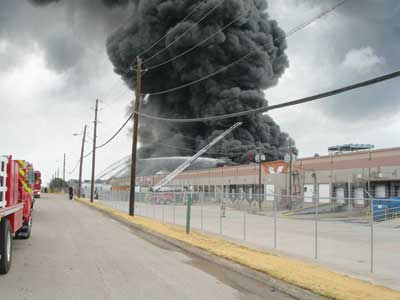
(201, 210)
(316, 204)
(372, 232)
(316, 228)
(221, 211)
(154, 208)
(173, 211)
(244, 222)
(188, 210)
(275, 223)
(162, 212)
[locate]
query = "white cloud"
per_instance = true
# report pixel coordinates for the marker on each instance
(362, 59)
(317, 56)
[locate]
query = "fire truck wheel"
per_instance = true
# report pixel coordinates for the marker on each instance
(5, 246)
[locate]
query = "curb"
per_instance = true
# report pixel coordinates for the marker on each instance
(293, 277)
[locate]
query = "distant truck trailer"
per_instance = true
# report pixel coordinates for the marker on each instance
(16, 196)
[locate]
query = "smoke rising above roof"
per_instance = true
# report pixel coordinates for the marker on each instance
(238, 88)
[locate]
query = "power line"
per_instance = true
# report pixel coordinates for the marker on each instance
(165, 35)
(291, 32)
(184, 33)
(74, 168)
(116, 165)
(131, 67)
(77, 163)
(281, 105)
(194, 47)
(296, 29)
(117, 132)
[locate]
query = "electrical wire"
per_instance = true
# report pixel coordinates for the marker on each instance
(74, 168)
(115, 166)
(194, 47)
(117, 132)
(184, 33)
(291, 32)
(77, 163)
(131, 67)
(263, 109)
(165, 35)
(296, 29)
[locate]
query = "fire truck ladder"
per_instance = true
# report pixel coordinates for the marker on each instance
(188, 162)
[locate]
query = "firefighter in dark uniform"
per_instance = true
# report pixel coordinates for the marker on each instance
(71, 192)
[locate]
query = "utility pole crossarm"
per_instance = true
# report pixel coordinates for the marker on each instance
(188, 162)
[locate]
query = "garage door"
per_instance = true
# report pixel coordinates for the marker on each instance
(380, 191)
(324, 193)
(359, 195)
(340, 195)
(308, 193)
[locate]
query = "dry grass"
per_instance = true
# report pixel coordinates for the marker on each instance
(312, 277)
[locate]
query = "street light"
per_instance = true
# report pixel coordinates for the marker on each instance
(81, 134)
(81, 160)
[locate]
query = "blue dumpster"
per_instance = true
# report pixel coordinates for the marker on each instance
(386, 208)
(380, 212)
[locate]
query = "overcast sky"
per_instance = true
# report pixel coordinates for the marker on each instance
(53, 65)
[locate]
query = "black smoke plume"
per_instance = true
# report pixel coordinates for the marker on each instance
(236, 89)
(110, 3)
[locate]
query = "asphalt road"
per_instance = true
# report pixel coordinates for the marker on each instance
(78, 253)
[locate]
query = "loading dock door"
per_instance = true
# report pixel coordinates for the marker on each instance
(359, 196)
(308, 193)
(380, 191)
(324, 193)
(270, 191)
(340, 195)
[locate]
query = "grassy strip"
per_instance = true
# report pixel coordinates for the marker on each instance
(308, 276)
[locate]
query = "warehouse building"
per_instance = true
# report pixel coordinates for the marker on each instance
(340, 177)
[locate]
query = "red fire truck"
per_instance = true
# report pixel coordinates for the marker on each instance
(16, 195)
(38, 184)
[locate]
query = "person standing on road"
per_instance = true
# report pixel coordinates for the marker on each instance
(71, 192)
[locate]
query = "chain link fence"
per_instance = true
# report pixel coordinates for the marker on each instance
(348, 233)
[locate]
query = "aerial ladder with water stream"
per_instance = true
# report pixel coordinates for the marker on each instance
(192, 159)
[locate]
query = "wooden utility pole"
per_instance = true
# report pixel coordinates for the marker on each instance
(135, 135)
(290, 180)
(81, 162)
(94, 151)
(64, 168)
(259, 180)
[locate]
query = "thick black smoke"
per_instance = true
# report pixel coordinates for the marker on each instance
(236, 89)
(109, 3)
